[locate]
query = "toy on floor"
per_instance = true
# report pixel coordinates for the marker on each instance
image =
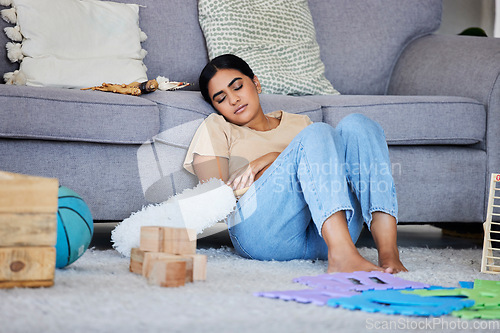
(197, 208)
(359, 281)
(485, 294)
(338, 285)
(395, 302)
(75, 227)
(139, 88)
(318, 296)
(167, 257)
(28, 230)
(491, 245)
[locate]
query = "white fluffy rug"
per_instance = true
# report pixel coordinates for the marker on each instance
(98, 294)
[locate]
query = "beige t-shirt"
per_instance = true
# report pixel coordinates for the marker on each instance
(241, 144)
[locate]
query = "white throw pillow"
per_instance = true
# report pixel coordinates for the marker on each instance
(75, 43)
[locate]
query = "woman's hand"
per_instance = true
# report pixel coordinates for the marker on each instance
(244, 177)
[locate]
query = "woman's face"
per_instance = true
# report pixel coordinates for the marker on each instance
(236, 96)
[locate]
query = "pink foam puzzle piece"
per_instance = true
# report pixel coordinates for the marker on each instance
(359, 281)
(314, 296)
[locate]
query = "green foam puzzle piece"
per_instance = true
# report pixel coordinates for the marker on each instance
(482, 297)
(485, 313)
(485, 293)
(487, 284)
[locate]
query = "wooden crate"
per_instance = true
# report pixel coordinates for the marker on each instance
(491, 245)
(28, 230)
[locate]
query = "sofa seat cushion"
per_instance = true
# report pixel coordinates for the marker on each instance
(75, 115)
(413, 120)
(181, 112)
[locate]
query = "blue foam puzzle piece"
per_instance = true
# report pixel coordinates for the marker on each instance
(466, 284)
(395, 302)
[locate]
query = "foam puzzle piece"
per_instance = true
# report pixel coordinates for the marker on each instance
(482, 297)
(485, 313)
(315, 296)
(466, 284)
(487, 284)
(485, 294)
(359, 281)
(395, 302)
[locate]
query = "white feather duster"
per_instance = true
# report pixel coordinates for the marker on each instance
(197, 208)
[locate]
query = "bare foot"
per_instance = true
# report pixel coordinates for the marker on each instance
(384, 232)
(350, 263)
(390, 262)
(342, 254)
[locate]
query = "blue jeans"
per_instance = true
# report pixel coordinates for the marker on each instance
(322, 171)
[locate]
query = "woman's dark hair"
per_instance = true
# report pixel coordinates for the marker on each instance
(225, 61)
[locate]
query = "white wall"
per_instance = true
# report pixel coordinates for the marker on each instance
(459, 15)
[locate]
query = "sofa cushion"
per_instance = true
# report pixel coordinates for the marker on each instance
(284, 55)
(76, 44)
(413, 120)
(75, 115)
(360, 40)
(181, 112)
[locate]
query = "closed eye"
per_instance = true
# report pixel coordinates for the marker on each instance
(231, 84)
(221, 100)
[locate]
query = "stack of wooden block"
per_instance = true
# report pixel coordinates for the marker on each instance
(28, 230)
(167, 257)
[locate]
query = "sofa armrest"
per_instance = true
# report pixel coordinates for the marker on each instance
(447, 65)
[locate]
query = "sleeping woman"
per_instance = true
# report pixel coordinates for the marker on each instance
(311, 186)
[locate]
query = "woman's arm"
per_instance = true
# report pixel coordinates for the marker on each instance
(245, 177)
(206, 167)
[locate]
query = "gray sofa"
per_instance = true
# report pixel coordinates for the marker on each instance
(437, 98)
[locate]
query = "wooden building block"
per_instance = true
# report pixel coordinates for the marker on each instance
(28, 229)
(151, 239)
(179, 241)
(151, 257)
(27, 194)
(167, 273)
(199, 266)
(169, 240)
(136, 260)
(29, 266)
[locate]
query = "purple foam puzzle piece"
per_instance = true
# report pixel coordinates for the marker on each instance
(315, 296)
(359, 281)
